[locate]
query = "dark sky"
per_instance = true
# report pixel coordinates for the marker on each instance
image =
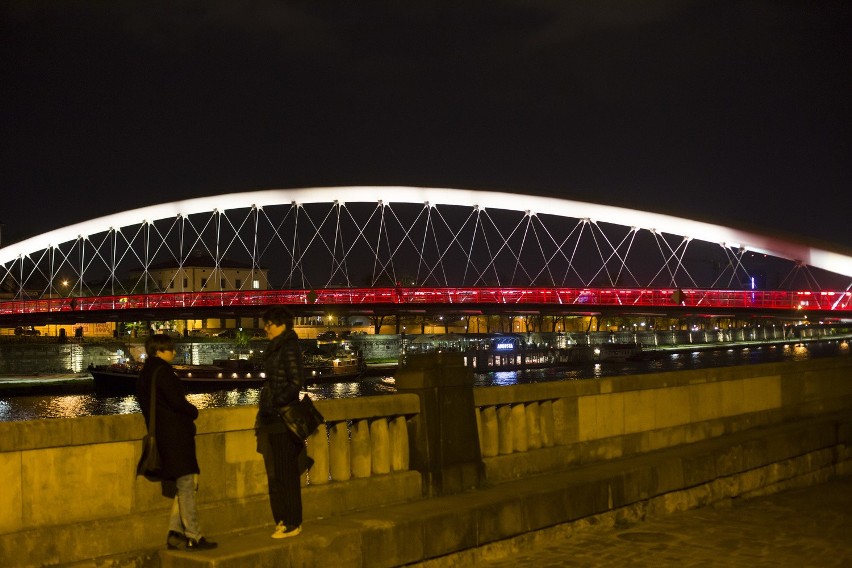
(737, 112)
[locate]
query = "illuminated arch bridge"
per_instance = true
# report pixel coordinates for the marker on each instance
(406, 244)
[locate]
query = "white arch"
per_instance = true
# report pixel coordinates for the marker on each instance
(820, 258)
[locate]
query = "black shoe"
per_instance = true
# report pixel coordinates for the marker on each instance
(200, 544)
(175, 541)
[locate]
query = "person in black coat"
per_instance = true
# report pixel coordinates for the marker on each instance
(282, 451)
(175, 431)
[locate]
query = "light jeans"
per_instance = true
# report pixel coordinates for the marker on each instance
(184, 517)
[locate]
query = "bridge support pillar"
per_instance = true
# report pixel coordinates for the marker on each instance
(444, 439)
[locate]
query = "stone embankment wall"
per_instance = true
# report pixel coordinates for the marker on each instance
(70, 492)
(532, 429)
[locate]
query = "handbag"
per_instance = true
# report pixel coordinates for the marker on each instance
(150, 465)
(302, 417)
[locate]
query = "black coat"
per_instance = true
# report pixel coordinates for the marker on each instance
(283, 366)
(175, 418)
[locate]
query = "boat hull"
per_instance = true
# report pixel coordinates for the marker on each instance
(111, 381)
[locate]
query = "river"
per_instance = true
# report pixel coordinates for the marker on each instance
(16, 408)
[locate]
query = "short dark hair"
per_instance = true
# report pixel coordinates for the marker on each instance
(158, 342)
(279, 315)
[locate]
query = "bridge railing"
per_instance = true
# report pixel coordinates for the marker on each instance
(840, 301)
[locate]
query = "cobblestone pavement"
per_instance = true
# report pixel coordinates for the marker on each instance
(808, 527)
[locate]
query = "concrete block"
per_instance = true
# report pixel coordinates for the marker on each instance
(636, 485)
(705, 401)
(451, 531)
(732, 398)
(638, 411)
(586, 499)
(361, 494)
(92, 482)
(754, 454)
(339, 546)
(610, 415)
(547, 508)
(35, 434)
(762, 393)
(214, 484)
(496, 521)
(394, 540)
(667, 475)
(601, 450)
(664, 438)
(566, 429)
(729, 461)
(240, 446)
(226, 419)
(587, 418)
(698, 469)
(11, 513)
(671, 407)
(98, 429)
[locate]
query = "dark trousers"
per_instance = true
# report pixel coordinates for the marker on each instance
(282, 472)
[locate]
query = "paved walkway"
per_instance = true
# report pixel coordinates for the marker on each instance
(808, 527)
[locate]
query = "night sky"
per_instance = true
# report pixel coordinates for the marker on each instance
(734, 112)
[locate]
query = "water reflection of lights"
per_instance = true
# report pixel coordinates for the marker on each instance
(128, 405)
(503, 378)
(37, 407)
(219, 399)
(76, 357)
(800, 352)
(66, 406)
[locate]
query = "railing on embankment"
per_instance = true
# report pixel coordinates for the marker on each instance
(532, 429)
(69, 490)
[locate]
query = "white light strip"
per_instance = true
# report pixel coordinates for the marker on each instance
(827, 260)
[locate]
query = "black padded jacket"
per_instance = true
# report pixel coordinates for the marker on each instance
(284, 370)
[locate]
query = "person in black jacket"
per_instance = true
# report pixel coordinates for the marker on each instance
(282, 364)
(175, 440)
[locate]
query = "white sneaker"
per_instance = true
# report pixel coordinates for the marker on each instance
(283, 531)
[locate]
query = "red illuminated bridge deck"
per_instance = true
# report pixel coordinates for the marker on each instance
(455, 299)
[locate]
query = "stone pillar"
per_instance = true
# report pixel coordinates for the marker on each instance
(443, 439)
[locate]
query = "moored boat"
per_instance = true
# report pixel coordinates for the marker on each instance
(618, 352)
(118, 379)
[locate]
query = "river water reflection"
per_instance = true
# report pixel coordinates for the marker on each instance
(38, 407)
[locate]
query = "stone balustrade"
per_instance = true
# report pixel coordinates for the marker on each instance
(361, 437)
(70, 493)
(536, 428)
(71, 482)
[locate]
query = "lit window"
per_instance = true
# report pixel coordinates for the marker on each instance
(255, 284)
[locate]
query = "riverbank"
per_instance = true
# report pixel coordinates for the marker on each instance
(57, 384)
(45, 384)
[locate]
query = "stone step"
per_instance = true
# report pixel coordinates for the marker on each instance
(660, 482)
